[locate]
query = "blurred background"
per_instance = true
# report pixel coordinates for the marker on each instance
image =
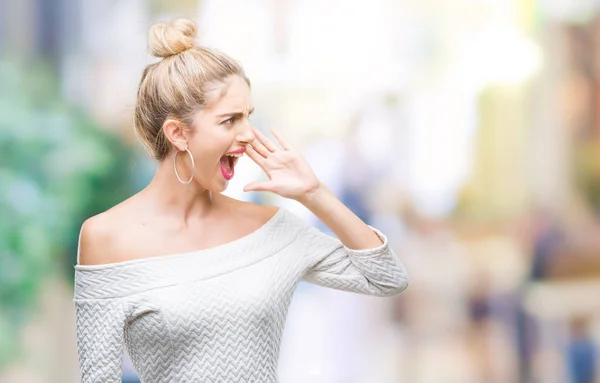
(466, 130)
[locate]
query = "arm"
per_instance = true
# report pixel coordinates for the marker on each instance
(350, 229)
(100, 326)
(99, 322)
(360, 261)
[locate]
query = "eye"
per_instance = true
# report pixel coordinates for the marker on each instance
(229, 121)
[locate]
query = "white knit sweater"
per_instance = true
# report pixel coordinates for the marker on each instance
(215, 315)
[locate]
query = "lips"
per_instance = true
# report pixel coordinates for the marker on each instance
(228, 161)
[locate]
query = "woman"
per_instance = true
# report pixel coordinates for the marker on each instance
(195, 284)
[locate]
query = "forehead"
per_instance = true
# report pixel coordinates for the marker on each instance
(231, 95)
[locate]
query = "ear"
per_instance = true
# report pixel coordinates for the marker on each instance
(176, 133)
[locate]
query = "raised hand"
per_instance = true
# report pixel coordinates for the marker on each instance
(289, 174)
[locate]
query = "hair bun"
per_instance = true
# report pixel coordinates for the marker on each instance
(166, 40)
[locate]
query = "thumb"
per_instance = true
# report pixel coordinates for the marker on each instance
(257, 186)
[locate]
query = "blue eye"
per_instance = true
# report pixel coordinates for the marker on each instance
(229, 121)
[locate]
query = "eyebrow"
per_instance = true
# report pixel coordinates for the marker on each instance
(235, 114)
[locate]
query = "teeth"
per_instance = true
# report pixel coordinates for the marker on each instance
(235, 155)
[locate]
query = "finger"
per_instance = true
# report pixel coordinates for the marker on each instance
(260, 148)
(258, 186)
(256, 157)
(265, 141)
(282, 141)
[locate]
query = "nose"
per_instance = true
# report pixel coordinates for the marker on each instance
(245, 133)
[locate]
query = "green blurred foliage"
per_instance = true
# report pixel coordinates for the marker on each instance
(57, 167)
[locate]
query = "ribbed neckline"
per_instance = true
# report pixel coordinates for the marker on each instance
(120, 279)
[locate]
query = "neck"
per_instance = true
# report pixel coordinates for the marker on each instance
(170, 197)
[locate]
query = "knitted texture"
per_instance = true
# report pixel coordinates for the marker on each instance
(215, 315)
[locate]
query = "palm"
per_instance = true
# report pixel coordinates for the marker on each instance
(289, 174)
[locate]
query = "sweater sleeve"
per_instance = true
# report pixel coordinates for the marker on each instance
(376, 271)
(100, 334)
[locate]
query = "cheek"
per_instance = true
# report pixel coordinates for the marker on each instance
(207, 152)
(211, 141)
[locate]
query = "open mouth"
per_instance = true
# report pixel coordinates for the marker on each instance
(227, 163)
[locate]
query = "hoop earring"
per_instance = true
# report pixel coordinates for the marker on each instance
(175, 167)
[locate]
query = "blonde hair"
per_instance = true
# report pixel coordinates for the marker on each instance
(176, 86)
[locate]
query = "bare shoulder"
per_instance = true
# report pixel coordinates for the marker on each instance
(262, 212)
(248, 211)
(99, 236)
(94, 236)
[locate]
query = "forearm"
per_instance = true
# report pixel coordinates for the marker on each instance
(347, 226)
